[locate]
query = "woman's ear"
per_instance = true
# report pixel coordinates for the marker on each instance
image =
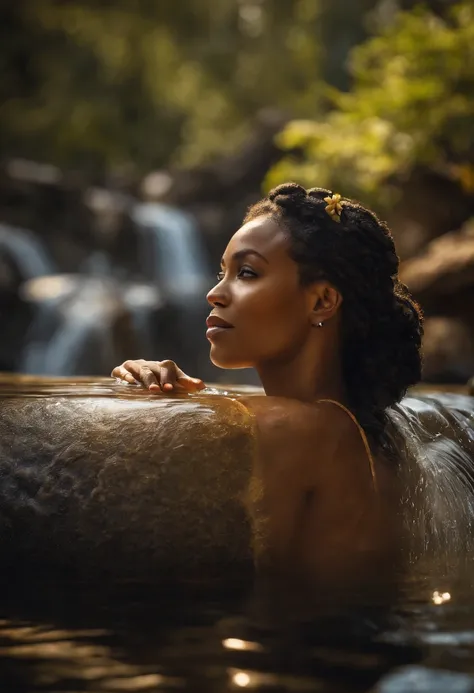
(326, 301)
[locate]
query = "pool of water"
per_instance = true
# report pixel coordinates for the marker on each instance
(58, 634)
(58, 637)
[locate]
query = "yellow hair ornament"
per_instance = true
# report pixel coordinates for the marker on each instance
(334, 207)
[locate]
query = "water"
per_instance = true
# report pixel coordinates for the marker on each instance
(440, 510)
(170, 240)
(63, 631)
(55, 636)
(172, 254)
(27, 251)
(89, 322)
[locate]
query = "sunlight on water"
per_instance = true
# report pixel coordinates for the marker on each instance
(441, 597)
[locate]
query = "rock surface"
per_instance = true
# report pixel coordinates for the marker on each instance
(445, 267)
(107, 478)
(441, 277)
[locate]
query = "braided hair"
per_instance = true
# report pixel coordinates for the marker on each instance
(382, 324)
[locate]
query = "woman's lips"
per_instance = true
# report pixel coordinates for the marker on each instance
(216, 321)
(216, 325)
(213, 331)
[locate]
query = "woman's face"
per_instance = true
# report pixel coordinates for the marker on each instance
(259, 295)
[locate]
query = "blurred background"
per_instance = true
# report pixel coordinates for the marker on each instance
(134, 135)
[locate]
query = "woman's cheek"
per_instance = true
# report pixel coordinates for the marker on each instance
(261, 298)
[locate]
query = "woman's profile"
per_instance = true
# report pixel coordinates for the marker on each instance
(309, 295)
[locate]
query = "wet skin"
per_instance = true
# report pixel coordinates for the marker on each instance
(313, 501)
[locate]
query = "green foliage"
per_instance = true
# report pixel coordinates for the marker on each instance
(99, 85)
(411, 104)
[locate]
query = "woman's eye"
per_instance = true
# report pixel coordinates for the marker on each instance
(246, 272)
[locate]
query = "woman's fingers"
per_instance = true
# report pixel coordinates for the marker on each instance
(149, 376)
(164, 376)
(173, 378)
(117, 372)
(190, 384)
(168, 375)
(142, 372)
(123, 374)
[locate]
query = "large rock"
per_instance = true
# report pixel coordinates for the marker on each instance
(104, 478)
(442, 280)
(445, 267)
(448, 350)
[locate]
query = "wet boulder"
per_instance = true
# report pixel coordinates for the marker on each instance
(98, 478)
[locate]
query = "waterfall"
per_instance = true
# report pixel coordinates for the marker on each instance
(81, 321)
(171, 240)
(73, 326)
(438, 463)
(26, 250)
(174, 257)
(73, 330)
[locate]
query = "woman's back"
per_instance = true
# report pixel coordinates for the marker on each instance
(316, 506)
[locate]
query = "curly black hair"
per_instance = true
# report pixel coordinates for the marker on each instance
(382, 324)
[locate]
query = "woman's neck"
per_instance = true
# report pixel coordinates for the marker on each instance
(314, 373)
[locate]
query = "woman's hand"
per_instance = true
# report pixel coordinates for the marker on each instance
(157, 376)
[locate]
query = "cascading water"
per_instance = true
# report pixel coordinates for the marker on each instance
(437, 437)
(73, 316)
(26, 251)
(84, 325)
(22, 258)
(75, 330)
(173, 256)
(170, 238)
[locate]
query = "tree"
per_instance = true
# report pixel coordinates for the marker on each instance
(97, 85)
(411, 105)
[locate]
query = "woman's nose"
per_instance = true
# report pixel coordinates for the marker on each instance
(217, 296)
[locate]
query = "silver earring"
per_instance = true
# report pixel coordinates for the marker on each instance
(320, 324)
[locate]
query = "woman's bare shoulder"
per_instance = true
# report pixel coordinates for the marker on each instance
(290, 429)
(285, 414)
(274, 414)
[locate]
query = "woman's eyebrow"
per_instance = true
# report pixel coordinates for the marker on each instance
(240, 254)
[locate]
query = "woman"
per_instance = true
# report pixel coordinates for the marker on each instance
(309, 295)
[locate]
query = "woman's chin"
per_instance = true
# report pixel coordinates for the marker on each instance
(226, 361)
